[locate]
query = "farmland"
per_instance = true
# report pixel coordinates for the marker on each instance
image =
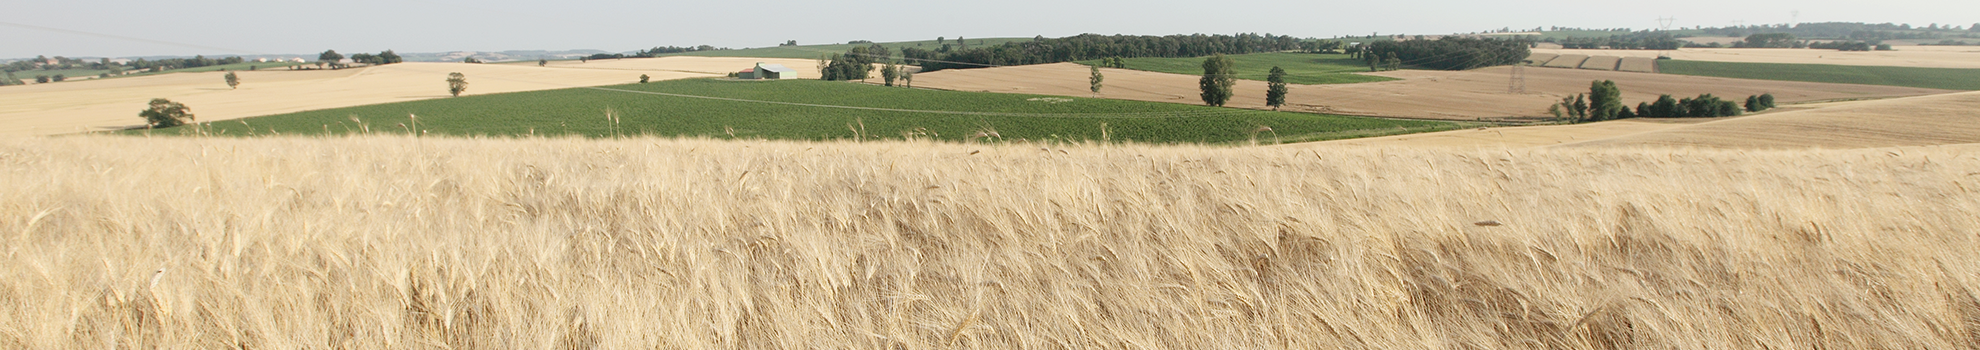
(1905, 56)
(1566, 61)
(814, 51)
(1934, 78)
(640, 109)
(1301, 68)
(92, 105)
(1943, 119)
(391, 242)
(1601, 63)
(1425, 94)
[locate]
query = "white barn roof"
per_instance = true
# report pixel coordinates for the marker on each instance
(780, 69)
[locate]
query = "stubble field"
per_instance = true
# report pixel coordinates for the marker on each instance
(1422, 94)
(386, 242)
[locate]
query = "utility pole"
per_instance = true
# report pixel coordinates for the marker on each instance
(1518, 83)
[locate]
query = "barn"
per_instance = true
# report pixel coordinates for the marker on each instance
(767, 71)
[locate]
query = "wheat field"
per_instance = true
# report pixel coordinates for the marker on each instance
(384, 242)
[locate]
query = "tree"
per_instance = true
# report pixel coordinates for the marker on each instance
(470, 59)
(1580, 107)
(364, 58)
(456, 83)
(164, 113)
(1275, 90)
(853, 65)
(643, 78)
(329, 56)
(1753, 103)
(889, 72)
(59, 77)
(388, 57)
(233, 81)
(1217, 80)
(907, 77)
(544, 62)
(40, 79)
(1766, 101)
(1094, 80)
(1604, 100)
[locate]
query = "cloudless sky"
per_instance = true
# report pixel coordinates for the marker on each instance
(188, 27)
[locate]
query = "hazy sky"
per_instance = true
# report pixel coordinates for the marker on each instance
(189, 27)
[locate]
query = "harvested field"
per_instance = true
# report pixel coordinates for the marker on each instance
(1566, 61)
(71, 107)
(1541, 58)
(1638, 64)
(1601, 63)
(721, 66)
(1912, 121)
(386, 242)
(1904, 57)
(1449, 95)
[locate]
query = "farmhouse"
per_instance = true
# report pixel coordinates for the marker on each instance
(767, 71)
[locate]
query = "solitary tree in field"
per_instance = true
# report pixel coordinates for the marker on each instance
(1095, 80)
(1216, 83)
(164, 113)
(907, 78)
(1275, 90)
(233, 81)
(329, 56)
(889, 72)
(643, 78)
(544, 62)
(389, 57)
(456, 83)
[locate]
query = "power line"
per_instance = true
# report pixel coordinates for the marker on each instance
(143, 40)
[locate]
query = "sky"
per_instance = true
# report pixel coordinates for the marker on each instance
(126, 28)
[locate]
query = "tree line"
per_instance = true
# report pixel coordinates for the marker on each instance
(1451, 52)
(1604, 102)
(1642, 40)
(1093, 46)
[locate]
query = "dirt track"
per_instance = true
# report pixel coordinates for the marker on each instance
(1450, 95)
(70, 107)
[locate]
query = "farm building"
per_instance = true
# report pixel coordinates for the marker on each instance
(767, 71)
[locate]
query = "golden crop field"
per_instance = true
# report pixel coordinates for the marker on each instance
(384, 242)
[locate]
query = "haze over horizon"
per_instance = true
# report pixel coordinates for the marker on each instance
(115, 28)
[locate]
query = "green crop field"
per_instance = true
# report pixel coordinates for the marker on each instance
(640, 111)
(1301, 68)
(1933, 78)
